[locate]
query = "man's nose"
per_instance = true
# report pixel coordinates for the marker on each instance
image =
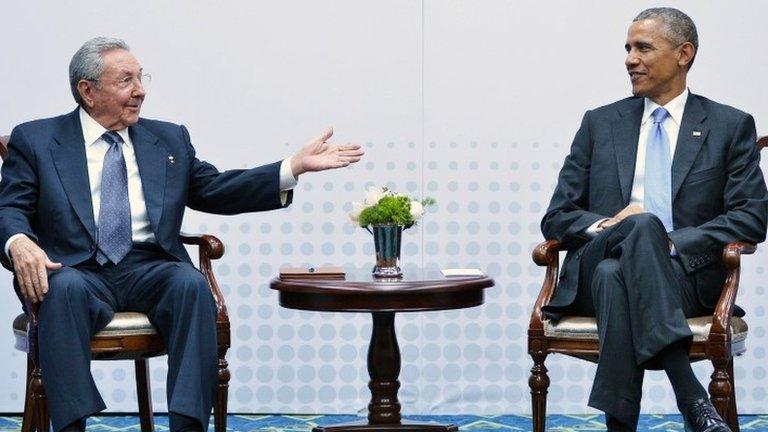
(138, 90)
(631, 59)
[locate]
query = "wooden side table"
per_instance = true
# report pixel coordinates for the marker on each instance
(383, 299)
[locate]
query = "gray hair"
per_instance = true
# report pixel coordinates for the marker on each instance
(87, 63)
(679, 27)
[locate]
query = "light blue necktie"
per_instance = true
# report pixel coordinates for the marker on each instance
(114, 239)
(658, 171)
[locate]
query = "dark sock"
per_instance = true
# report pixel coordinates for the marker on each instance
(674, 360)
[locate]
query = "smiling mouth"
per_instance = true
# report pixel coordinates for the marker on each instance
(634, 76)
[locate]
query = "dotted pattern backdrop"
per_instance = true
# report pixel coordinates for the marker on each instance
(472, 360)
(472, 103)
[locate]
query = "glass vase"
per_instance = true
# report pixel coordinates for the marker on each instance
(387, 241)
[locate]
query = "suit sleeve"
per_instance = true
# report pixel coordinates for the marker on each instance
(745, 202)
(18, 191)
(233, 191)
(568, 217)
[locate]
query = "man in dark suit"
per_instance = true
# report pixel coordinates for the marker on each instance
(91, 204)
(654, 187)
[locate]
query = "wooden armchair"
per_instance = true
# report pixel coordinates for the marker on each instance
(129, 336)
(717, 337)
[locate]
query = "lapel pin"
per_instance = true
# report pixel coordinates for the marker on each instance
(696, 133)
(170, 159)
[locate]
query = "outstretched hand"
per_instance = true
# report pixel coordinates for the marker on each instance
(320, 155)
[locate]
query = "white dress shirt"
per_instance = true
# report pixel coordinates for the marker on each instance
(671, 126)
(95, 149)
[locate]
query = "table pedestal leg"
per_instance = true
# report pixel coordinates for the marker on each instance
(384, 368)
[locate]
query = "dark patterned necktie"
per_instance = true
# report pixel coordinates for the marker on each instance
(114, 236)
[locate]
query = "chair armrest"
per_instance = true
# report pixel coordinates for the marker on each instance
(721, 320)
(545, 254)
(32, 310)
(4, 145)
(762, 142)
(209, 245)
(211, 248)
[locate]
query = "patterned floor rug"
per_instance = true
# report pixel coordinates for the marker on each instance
(305, 423)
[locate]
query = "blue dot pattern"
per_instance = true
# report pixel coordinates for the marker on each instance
(114, 227)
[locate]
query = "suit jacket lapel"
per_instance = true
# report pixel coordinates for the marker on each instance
(151, 159)
(72, 167)
(626, 132)
(693, 132)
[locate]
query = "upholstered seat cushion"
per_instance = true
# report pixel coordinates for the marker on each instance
(585, 328)
(123, 324)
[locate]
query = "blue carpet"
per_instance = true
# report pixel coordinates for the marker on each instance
(304, 423)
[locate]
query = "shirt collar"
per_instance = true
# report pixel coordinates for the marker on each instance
(92, 130)
(675, 107)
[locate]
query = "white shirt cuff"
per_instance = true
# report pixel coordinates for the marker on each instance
(593, 230)
(8, 243)
(287, 180)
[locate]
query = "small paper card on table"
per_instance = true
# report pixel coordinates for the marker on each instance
(312, 273)
(462, 272)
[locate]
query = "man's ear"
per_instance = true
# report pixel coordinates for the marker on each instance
(687, 52)
(86, 89)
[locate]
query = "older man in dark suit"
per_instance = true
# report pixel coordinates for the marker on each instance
(653, 188)
(91, 204)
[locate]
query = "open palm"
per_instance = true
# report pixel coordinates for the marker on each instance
(319, 155)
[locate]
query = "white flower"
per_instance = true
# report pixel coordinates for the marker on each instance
(417, 210)
(357, 208)
(373, 195)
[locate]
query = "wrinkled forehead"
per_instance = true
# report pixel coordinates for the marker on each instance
(119, 62)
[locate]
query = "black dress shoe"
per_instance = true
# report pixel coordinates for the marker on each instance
(614, 425)
(76, 426)
(701, 416)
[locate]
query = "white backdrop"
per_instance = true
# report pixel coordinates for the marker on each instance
(471, 102)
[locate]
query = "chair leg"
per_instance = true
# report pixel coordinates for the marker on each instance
(720, 386)
(29, 407)
(222, 391)
(146, 416)
(42, 418)
(733, 412)
(539, 383)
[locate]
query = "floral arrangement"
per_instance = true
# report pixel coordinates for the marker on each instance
(383, 206)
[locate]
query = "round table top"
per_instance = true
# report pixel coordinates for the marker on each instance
(358, 293)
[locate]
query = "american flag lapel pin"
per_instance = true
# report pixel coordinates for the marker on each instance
(697, 133)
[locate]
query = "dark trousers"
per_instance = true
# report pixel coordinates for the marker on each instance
(82, 300)
(641, 297)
